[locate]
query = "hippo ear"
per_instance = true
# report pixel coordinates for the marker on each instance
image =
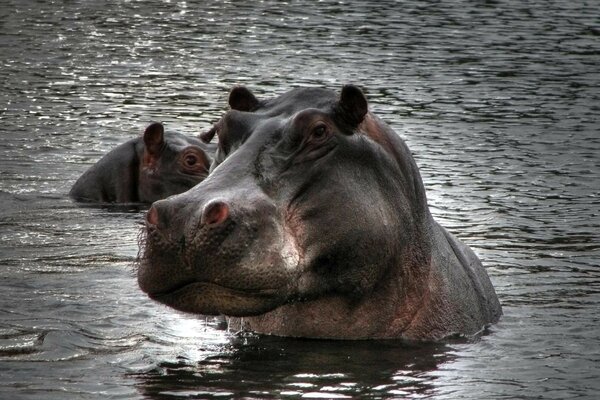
(207, 136)
(154, 138)
(352, 106)
(242, 99)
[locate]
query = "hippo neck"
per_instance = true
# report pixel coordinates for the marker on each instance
(382, 134)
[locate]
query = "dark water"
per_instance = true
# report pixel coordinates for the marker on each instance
(499, 101)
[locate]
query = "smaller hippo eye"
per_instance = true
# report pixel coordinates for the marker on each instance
(190, 160)
(193, 161)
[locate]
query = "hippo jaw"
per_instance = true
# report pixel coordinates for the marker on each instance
(197, 296)
(212, 299)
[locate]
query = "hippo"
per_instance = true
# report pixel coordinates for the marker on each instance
(313, 223)
(145, 169)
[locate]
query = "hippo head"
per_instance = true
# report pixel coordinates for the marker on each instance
(171, 163)
(310, 196)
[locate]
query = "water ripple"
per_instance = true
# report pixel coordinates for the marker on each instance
(497, 101)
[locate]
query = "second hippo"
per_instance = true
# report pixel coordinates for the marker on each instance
(151, 167)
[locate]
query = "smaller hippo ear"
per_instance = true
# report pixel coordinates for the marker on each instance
(154, 138)
(352, 106)
(242, 99)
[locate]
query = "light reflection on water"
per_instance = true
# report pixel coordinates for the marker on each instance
(497, 101)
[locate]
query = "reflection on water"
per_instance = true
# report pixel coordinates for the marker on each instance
(499, 103)
(331, 369)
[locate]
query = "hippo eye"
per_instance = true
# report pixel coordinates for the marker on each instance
(190, 160)
(193, 161)
(319, 132)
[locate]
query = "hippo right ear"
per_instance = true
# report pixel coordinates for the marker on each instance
(242, 99)
(352, 106)
(154, 138)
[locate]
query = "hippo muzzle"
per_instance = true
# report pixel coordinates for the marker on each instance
(216, 253)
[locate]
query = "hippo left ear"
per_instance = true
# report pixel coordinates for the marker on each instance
(154, 138)
(242, 99)
(352, 106)
(207, 136)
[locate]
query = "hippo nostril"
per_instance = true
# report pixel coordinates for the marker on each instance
(152, 216)
(215, 213)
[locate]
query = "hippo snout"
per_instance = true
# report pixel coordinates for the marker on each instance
(152, 216)
(213, 214)
(200, 253)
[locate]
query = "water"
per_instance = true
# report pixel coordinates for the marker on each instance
(499, 101)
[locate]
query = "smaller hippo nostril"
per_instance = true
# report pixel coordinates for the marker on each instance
(152, 216)
(215, 213)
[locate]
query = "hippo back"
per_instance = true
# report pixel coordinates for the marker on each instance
(114, 178)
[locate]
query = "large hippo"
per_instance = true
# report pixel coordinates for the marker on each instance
(314, 223)
(145, 169)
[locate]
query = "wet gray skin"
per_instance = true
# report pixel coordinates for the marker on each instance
(314, 223)
(151, 167)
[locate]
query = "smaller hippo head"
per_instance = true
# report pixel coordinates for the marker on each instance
(145, 169)
(309, 196)
(171, 163)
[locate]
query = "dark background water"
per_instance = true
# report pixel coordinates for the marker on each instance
(498, 100)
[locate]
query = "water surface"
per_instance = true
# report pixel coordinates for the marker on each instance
(498, 101)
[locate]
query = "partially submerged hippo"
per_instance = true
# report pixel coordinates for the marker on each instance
(145, 169)
(314, 223)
